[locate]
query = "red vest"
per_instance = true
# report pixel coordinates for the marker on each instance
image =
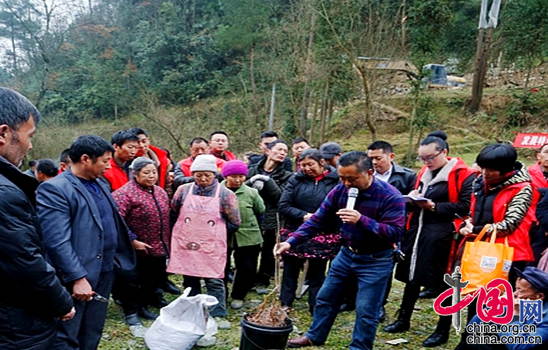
(116, 175)
(519, 240)
(457, 175)
(537, 180)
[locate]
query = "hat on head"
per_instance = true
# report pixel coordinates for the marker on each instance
(204, 162)
(234, 167)
(330, 149)
(537, 278)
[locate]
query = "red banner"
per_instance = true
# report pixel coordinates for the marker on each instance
(536, 140)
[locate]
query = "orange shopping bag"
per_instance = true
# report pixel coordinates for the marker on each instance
(482, 262)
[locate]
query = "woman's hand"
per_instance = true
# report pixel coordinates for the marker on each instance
(141, 246)
(427, 205)
(468, 229)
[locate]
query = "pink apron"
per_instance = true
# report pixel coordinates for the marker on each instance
(198, 242)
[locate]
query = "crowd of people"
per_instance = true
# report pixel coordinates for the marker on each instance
(116, 218)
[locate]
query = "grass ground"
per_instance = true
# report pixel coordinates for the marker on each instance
(116, 334)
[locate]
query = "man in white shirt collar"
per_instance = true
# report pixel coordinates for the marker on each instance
(382, 155)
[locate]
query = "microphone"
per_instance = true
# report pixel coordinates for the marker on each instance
(352, 195)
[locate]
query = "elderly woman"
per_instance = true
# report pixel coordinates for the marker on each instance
(206, 213)
(269, 177)
(446, 183)
(145, 209)
(301, 198)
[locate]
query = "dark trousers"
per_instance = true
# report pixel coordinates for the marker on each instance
(266, 269)
(84, 331)
(126, 289)
(152, 273)
(410, 297)
(246, 259)
(315, 278)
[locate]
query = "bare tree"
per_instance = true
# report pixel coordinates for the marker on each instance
(363, 28)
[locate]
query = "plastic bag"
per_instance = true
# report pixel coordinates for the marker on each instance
(209, 338)
(181, 323)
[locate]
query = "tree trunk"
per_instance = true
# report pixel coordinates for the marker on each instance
(408, 161)
(482, 57)
(13, 48)
(323, 117)
(308, 76)
(253, 86)
(311, 137)
(526, 85)
(367, 92)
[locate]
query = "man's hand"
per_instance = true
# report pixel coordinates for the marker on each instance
(349, 216)
(81, 290)
(68, 316)
(141, 246)
(307, 216)
(281, 248)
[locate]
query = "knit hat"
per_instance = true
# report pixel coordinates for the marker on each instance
(204, 162)
(234, 167)
(139, 163)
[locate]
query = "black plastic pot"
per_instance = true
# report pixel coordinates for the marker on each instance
(257, 337)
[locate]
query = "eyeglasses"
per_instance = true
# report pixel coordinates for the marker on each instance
(429, 158)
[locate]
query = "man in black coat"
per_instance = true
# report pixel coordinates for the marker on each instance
(31, 295)
(382, 155)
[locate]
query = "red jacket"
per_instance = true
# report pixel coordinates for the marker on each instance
(187, 162)
(116, 175)
(538, 181)
(228, 156)
(164, 164)
(519, 240)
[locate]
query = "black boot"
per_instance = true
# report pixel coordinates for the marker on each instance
(429, 293)
(159, 303)
(146, 314)
(402, 324)
(440, 335)
(382, 314)
(168, 287)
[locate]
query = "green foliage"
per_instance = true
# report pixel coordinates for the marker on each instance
(524, 31)
(522, 108)
(102, 62)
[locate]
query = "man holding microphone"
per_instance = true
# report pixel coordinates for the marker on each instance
(368, 224)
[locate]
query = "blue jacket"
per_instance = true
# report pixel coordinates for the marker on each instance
(72, 230)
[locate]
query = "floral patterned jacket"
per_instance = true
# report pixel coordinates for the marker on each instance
(146, 213)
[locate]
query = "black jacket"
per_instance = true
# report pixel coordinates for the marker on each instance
(31, 295)
(271, 192)
(402, 178)
(304, 195)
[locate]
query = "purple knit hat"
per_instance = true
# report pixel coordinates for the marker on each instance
(234, 167)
